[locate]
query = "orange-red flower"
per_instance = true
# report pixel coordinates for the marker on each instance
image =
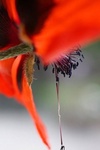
(53, 27)
(16, 73)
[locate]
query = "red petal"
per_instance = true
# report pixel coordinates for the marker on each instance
(26, 98)
(8, 31)
(11, 8)
(6, 87)
(71, 22)
(9, 71)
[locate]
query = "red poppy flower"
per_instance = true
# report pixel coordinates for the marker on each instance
(16, 73)
(53, 27)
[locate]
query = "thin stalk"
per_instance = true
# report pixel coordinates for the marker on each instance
(22, 48)
(59, 109)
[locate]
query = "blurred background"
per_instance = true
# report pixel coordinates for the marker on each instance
(80, 109)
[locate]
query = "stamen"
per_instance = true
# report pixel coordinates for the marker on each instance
(37, 61)
(59, 112)
(62, 147)
(65, 65)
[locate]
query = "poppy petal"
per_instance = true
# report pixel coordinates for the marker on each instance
(11, 9)
(6, 87)
(33, 13)
(11, 73)
(69, 24)
(8, 31)
(25, 97)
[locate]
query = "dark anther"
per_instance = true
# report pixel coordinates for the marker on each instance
(45, 68)
(57, 78)
(62, 147)
(66, 64)
(53, 69)
(37, 61)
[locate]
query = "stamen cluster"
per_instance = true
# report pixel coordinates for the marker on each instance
(65, 64)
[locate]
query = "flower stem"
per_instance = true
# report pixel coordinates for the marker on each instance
(22, 48)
